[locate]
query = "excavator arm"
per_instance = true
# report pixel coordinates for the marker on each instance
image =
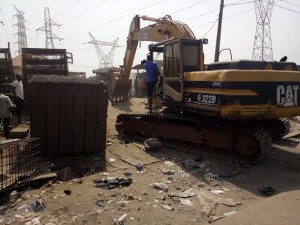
(162, 29)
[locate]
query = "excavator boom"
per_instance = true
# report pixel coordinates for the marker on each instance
(163, 29)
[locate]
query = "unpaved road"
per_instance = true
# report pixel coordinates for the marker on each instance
(196, 190)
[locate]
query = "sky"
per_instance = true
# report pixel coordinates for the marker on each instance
(108, 20)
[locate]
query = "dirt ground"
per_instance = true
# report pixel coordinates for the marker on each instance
(169, 187)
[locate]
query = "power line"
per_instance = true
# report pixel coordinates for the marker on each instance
(114, 20)
(7, 30)
(242, 3)
(291, 10)
(182, 9)
(226, 17)
(211, 28)
(194, 17)
(68, 9)
(290, 3)
(203, 14)
(76, 17)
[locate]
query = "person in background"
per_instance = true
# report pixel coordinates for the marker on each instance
(5, 115)
(153, 75)
(19, 95)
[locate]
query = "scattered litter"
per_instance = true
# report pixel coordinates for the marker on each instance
(122, 217)
(167, 207)
(123, 203)
(23, 210)
(185, 194)
(186, 202)
(169, 163)
(267, 190)
(113, 183)
(139, 167)
(160, 186)
(67, 192)
(112, 159)
(168, 172)
(225, 174)
(38, 206)
(101, 203)
(226, 189)
(152, 144)
(218, 192)
(34, 206)
(105, 174)
(215, 218)
(14, 195)
(34, 221)
(229, 213)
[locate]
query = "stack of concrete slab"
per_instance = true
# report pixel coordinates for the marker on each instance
(68, 114)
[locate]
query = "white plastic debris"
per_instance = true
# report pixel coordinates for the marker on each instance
(160, 186)
(217, 191)
(167, 207)
(122, 217)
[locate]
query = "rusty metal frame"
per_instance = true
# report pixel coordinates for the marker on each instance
(19, 162)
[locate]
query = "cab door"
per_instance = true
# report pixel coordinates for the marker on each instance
(180, 56)
(173, 74)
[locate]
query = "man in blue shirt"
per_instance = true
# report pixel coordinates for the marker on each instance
(153, 74)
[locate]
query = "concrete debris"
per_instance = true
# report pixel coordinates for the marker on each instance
(160, 186)
(167, 207)
(186, 202)
(111, 183)
(217, 191)
(34, 221)
(185, 194)
(152, 144)
(101, 203)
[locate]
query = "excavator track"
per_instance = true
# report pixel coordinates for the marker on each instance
(277, 128)
(249, 141)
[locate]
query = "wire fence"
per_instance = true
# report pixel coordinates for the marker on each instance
(19, 162)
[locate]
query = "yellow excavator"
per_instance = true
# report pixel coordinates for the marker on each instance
(234, 105)
(162, 29)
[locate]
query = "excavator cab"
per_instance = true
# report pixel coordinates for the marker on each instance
(180, 56)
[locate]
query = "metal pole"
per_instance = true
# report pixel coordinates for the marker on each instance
(219, 32)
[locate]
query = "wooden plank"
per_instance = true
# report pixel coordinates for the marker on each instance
(52, 117)
(40, 119)
(34, 109)
(90, 118)
(79, 117)
(67, 103)
(102, 103)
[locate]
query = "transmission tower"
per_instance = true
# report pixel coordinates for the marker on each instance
(22, 38)
(48, 29)
(262, 49)
(105, 59)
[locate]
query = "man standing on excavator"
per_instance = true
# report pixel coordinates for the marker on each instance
(153, 75)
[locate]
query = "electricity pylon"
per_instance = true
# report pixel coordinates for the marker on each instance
(105, 59)
(22, 38)
(48, 29)
(262, 49)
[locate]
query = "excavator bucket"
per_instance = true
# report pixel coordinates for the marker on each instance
(118, 88)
